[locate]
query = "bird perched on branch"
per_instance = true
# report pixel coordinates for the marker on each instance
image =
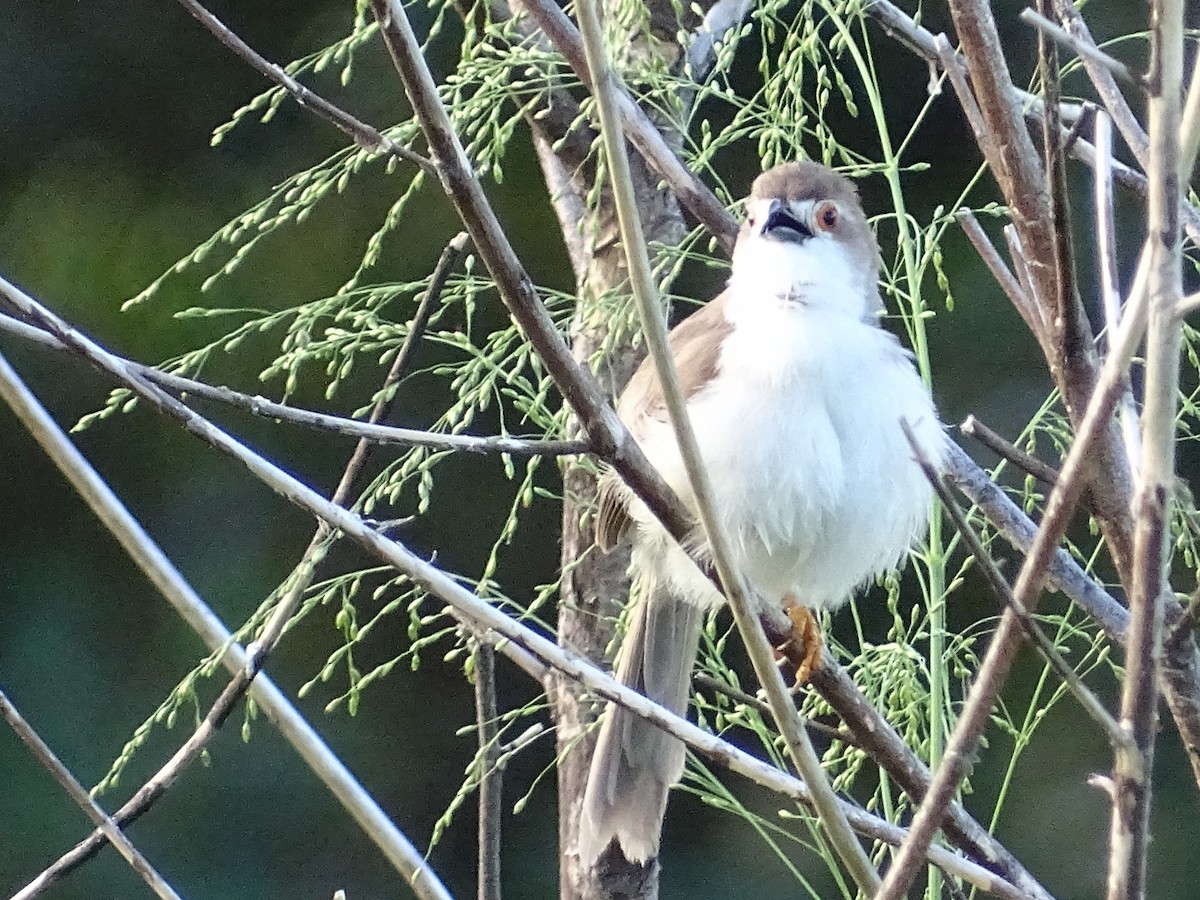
(796, 396)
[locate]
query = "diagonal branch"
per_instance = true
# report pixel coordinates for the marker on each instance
(1129, 834)
(83, 800)
(638, 128)
(363, 134)
(368, 433)
(1088, 700)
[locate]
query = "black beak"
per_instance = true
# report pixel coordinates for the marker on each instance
(783, 225)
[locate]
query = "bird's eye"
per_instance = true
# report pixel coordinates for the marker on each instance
(827, 216)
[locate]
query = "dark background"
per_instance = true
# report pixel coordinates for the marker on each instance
(107, 178)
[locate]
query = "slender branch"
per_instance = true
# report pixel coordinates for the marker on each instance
(491, 784)
(363, 134)
(78, 793)
(142, 550)
(1106, 87)
(1106, 255)
(480, 614)
(1026, 462)
(369, 432)
(737, 592)
(1013, 289)
(1130, 830)
(1064, 573)
(1189, 304)
(1088, 700)
(719, 687)
(1082, 48)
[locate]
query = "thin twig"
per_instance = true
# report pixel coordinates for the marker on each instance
(1106, 256)
(1020, 261)
(1129, 834)
(368, 432)
(700, 679)
(1189, 304)
(1008, 282)
(1026, 462)
(1106, 86)
(1082, 48)
(1064, 573)
(736, 589)
(491, 784)
(166, 578)
(983, 560)
(363, 134)
(78, 793)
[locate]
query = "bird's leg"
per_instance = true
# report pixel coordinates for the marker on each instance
(803, 646)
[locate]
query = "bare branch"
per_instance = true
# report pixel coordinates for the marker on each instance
(1102, 79)
(1106, 255)
(1026, 462)
(363, 134)
(1082, 48)
(1063, 573)
(368, 432)
(1130, 830)
(642, 133)
(78, 793)
(491, 777)
(1013, 289)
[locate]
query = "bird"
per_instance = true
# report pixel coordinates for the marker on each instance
(796, 394)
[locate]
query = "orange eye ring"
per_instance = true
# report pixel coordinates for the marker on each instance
(827, 216)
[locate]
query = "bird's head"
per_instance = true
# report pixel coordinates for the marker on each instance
(806, 239)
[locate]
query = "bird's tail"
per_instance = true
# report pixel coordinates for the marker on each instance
(635, 761)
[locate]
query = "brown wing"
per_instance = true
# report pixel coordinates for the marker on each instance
(612, 517)
(695, 345)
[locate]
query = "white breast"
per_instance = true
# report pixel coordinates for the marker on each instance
(814, 480)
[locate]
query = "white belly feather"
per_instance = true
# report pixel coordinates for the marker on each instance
(814, 481)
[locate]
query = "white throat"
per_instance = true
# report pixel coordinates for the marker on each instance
(816, 273)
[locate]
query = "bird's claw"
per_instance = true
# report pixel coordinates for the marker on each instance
(804, 645)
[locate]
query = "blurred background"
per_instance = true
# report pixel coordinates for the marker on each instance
(107, 177)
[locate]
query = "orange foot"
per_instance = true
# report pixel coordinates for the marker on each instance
(803, 647)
